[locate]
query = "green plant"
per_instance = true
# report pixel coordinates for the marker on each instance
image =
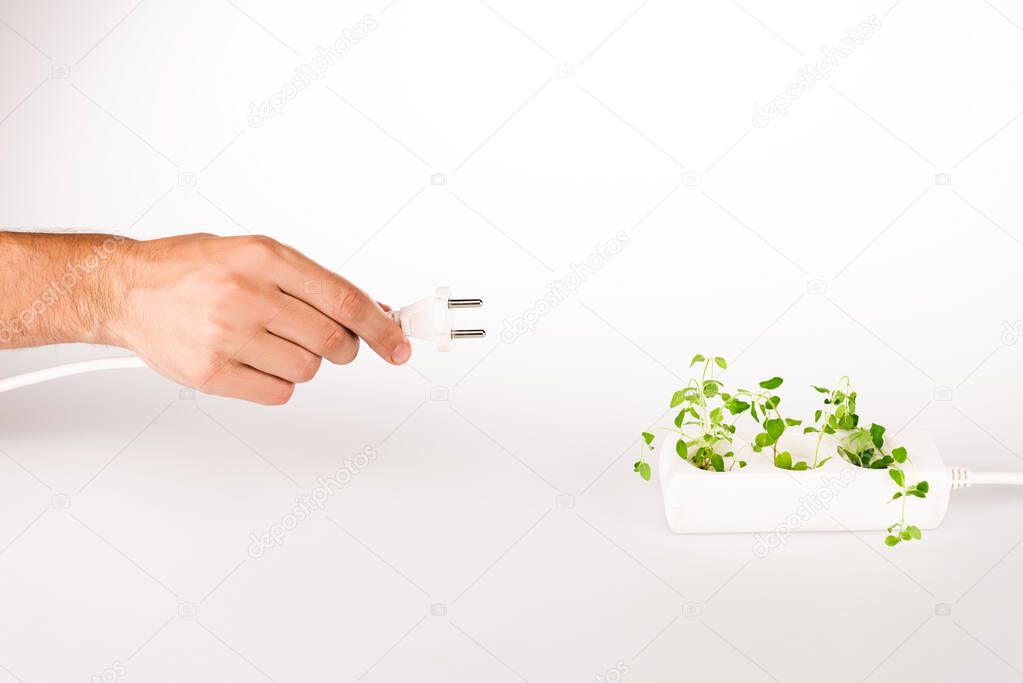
(701, 427)
(839, 412)
(763, 407)
(866, 447)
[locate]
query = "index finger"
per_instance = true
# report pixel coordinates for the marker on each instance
(341, 300)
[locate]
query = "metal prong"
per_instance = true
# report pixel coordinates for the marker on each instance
(468, 334)
(465, 303)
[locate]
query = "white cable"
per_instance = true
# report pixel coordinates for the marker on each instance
(59, 371)
(963, 477)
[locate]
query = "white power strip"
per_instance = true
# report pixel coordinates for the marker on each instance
(837, 496)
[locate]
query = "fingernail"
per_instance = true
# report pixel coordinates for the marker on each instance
(402, 352)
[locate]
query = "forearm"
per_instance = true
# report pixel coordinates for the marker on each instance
(57, 288)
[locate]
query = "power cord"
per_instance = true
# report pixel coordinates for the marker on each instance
(963, 478)
(39, 376)
(429, 319)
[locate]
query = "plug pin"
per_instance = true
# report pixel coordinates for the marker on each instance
(465, 303)
(468, 334)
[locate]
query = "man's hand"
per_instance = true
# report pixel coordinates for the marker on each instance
(244, 317)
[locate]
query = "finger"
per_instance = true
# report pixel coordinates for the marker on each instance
(279, 357)
(302, 324)
(235, 380)
(345, 303)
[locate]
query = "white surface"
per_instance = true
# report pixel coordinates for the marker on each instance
(820, 243)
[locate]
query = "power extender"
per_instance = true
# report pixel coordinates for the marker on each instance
(837, 496)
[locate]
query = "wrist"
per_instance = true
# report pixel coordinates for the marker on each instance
(107, 265)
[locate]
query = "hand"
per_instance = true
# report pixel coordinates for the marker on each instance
(245, 317)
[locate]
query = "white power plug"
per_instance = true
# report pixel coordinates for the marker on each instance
(431, 319)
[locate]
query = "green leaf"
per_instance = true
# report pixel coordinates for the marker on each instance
(721, 362)
(897, 476)
(792, 423)
(682, 449)
(715, 415)
(897, 495)
(677, 398)
(742, 463)
(710, 388)
(821, 463)
(817, 416)
(680, 418)
(800, 466)
(648, 437)
(718, 462)
(899, 454)
(905, 535)
(923, 487)
(772, 383)
(644, 470)
(891, 540)
(774, 428)
(761, 440)
(735, 406)
(698, 358)
(877, 435)
(914, 532)
(918, 494)
(821, 390)
(783, 460)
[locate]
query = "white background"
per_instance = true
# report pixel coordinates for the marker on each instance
(503, 495)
